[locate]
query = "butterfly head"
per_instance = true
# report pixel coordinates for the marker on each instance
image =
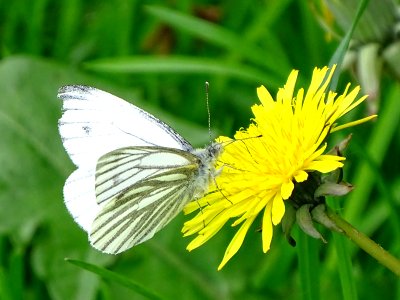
(214, 150)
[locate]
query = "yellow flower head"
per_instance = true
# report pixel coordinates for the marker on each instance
(285, 142)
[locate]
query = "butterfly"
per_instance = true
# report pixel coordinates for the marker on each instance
(134, 173)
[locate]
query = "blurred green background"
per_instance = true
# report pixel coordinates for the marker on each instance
(158, 55)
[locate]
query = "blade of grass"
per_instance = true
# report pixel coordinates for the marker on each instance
(109, 275)
(205, 285)
(340, 52)
(212, 33)
(35, 26)
(341, 245)
(308, 267)
(123, 25)
(16, 273)
(67, 27)
(5, 292)
(180, 64)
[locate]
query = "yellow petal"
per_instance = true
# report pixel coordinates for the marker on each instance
(264, 96)
(325, 166)
(267, 229)
(236, 242)
(278, 209)
(287, 189)
(301, 176)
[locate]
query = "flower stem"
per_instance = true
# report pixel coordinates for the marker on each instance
(365, 243)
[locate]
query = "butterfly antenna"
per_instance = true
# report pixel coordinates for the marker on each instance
(208, 111)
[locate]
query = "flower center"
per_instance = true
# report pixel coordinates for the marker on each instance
(303, 192)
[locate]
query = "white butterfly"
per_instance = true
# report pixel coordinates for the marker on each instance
(135, 173)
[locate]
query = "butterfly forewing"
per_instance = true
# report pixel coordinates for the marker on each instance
(95, 122)
(142, 189)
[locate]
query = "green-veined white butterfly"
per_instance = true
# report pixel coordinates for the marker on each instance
(135, 173)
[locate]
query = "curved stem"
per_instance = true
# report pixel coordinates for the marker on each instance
(365, 243)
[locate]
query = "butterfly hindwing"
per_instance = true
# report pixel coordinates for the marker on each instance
(79, 197)
(140, 189)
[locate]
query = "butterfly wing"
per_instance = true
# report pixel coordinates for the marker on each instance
(80, 197)
(94, 123)
(143, 189)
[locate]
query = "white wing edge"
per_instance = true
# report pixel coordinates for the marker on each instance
(80, 199)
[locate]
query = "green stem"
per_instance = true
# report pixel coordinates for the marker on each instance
(365, 243)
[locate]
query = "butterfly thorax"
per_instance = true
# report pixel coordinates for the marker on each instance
(206, 172)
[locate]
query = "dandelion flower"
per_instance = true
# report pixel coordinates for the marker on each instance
(285, 142)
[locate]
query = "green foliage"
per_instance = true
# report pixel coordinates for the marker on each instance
(114, 277)
(159, 57)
